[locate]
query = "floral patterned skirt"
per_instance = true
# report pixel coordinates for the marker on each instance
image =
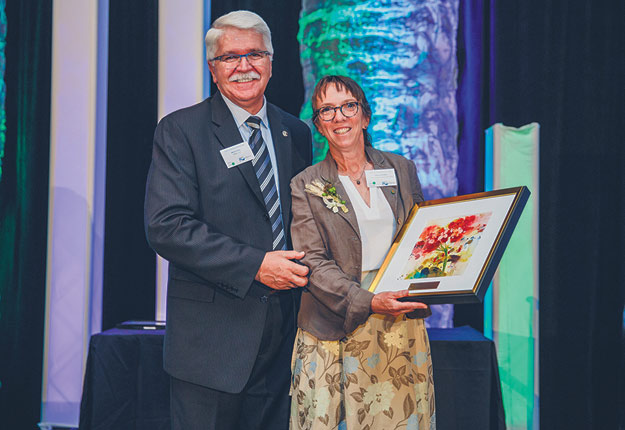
(378, 377)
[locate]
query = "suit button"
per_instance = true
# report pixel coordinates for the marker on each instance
(266, 216)
(398, 220)
(264, 299)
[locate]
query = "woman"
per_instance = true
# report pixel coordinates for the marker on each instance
(358, 361)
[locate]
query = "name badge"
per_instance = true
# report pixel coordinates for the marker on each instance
(381, 178)
(237, 154)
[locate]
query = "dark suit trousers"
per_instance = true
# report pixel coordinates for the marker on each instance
(264, 403)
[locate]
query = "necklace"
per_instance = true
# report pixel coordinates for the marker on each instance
(362, 172)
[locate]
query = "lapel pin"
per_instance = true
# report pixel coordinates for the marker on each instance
(285, 133)
(392, 191)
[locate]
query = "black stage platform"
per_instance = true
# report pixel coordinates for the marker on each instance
(126, 388)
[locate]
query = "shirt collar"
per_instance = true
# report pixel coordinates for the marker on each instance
(241, 115)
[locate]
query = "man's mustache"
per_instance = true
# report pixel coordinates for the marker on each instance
(244, 76)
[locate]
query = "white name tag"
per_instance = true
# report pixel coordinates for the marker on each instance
(237, 154)
(381, 178)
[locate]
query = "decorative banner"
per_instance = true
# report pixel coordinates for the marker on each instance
(402, 53)
(76, 203)
(3, 87)
(182, 25)
(511, 305)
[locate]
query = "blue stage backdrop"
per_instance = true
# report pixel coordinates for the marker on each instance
(403, 54)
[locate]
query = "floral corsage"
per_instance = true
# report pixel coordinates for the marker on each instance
(327, 192)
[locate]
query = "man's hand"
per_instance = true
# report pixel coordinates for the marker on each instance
(277, 271)
(387, 303)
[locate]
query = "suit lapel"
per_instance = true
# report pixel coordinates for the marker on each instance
(330, 173)
(391, 194)
(282, 145)
(227, 134)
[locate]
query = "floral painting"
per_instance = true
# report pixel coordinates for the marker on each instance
(445, 247)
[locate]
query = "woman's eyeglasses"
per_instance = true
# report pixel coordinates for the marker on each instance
(327, 113)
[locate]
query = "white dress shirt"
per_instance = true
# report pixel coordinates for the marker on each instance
(240, 115)
(377, 227)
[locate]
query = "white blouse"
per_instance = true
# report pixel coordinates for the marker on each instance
(376, 223)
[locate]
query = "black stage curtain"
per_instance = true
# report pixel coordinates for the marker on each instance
(562, 64)
(129, 263)
(24, 211)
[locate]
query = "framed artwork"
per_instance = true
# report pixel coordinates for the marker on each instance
(448, 249)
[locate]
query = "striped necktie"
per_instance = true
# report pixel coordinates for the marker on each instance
(264, 174)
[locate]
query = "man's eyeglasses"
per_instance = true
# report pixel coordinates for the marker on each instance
(254, 57)
(327, 113)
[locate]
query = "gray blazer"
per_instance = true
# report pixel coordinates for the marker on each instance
(333, 304)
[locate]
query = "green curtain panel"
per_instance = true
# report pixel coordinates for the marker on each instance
(3, 87)
(511, 306)
(23, 210)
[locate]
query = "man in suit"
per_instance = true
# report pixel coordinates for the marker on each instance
(218, 208)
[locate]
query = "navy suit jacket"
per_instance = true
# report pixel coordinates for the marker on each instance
(211, 224)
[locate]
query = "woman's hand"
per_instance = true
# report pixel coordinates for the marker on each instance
(387, 303)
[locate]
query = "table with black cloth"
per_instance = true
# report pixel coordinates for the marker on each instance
(125, 386)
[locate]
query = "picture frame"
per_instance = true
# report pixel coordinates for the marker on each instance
(448, 249)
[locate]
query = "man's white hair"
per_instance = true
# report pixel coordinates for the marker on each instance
(241, 19)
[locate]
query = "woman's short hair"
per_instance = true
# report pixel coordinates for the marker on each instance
(342, 83)
(241, 19)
